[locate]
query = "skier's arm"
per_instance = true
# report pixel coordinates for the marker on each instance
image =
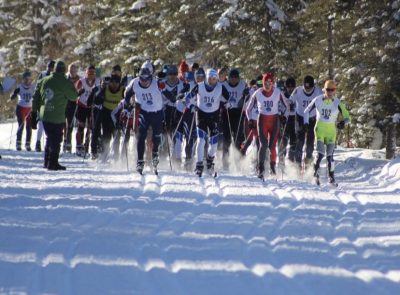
(345, 113)
(308, 109)
(15, 93)
(189, 97)
(128, 94)
(285, 113)
(250, 105)
(225, 94)
(37, 100)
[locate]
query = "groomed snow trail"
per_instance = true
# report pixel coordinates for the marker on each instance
(100, 230)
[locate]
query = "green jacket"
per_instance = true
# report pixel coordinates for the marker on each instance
(51, 96)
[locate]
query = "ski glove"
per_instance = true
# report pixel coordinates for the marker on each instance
(228, 105)
(34, 120)
(81, 91)
(341, 125)
(15, 93)
(194, 108)
(306, 127)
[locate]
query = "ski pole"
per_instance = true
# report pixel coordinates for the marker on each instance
(125, 143)
(229, 124)
(11, 135)
(169, 152)
(177, 127)
(240, 120)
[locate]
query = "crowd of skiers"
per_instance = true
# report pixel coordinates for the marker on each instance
(185, 111)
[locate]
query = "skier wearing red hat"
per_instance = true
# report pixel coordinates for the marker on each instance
(267, 100)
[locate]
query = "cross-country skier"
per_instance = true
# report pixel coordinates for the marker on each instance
(84, 86)
(50, 99)
(123, 121)
(149, 103)
(70, 111)
(267, 100)
(250, 124)
(232, 118)
(49, 70)
(289, 137)
(209, 95)
(186, 129)
(109, 97)
(302, 96)
(174, 108)
(24, 92)
(327, 107)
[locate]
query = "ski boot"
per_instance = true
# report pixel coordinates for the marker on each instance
(18, 147)
(28, 147)
(155, 162)
(199, 169)
(316, 175)
(94, 156)
(210, 165)
(38, 147)
(261, 171)
(80, 151)
(140, 166)
(332, 180)
(188, 164)
(272, 166)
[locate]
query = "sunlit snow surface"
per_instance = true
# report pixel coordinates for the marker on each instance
(97, 229)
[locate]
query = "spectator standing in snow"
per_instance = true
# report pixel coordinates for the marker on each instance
(49, 70)
(50, 99)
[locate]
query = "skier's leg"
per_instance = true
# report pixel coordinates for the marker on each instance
(263, 139)
(274, 127)
(291, 130)
(310, 140)
(20, 120)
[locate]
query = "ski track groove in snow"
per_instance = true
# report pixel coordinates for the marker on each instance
(96, 229)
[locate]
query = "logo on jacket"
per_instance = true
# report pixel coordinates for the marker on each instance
(48, 94)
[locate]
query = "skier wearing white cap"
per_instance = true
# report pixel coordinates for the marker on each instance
(208, 97)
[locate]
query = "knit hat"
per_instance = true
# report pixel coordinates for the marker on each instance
(212, 73)
(51, 64)
(200, 72)
(195, 66)
(267, 77)
(290, 82)
(91, 69)
(60, 67)
(309, 81)
(183, 66)
(172, 70)
(116, 68)
(145, 74)
(234, 73)
(330, 84)
(26, 74)
(147, 64)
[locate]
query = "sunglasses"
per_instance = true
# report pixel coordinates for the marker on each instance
(330, 89)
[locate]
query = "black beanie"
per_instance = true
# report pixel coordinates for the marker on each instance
(309, 80)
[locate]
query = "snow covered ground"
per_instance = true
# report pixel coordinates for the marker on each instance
(100, 230)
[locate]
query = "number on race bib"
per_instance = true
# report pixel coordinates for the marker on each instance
(326, 113)
(268, 105)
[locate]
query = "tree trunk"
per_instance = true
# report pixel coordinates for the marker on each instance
(391, 140)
